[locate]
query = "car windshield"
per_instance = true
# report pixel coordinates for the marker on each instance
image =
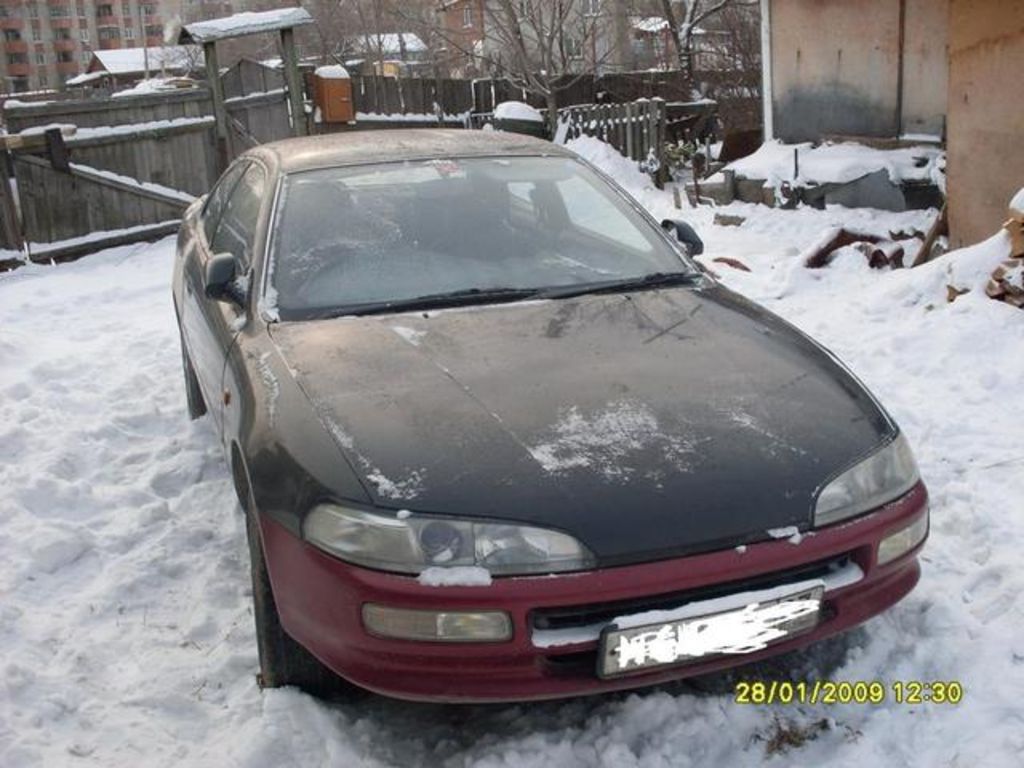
(385, 237)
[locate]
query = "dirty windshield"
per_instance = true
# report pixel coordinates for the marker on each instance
(353, 239)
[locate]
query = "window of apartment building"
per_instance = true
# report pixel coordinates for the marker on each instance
(12, 35)
(17, 58)
(83, 35)
(40, 58)
(62, 33)
(129, 33)
(33, 11)
(86, 57)
(148, 9)
(126, 10)
(36, 32)
(43, 80)
(103, 11)
(573, 47)
(592, 7)
(81, 9)
(64, 57)
(467, 16)
(4, 12)
(154, 30)
(59, 11)
(109, 33)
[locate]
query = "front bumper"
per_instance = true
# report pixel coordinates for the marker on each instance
(320, 601)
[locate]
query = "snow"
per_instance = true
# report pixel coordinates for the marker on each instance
(156, 85)
(1017, 203)
(389, 43)
(332, 72)
(39, 250)
(73, 133)
(125, 623)
(455, 576)
(177, 194)
(650, 24)
(837, 163)
(130, 61)
(517, 110)
(605, 440)
(248, 23)
(411, 117)
(411, 335)
(790, 532)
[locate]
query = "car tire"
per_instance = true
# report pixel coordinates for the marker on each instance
(193, 394)
(283, 662)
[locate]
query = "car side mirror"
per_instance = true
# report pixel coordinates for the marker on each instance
(219, 282)
(686, 235)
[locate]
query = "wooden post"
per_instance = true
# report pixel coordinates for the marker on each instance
(291, 76)
(10, 223)
(219, 112)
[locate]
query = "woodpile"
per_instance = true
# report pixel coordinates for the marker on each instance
(1007, 281)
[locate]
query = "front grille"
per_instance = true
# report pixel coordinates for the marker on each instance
(572, 617)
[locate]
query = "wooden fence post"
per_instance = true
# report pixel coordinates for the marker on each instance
(219, 112)
(10, 223)
(291, 76)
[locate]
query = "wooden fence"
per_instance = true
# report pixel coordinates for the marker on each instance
(373, 95)
(636, 129)
(130, 164)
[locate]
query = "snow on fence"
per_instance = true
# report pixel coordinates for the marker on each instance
(635, 129)
(138, 161)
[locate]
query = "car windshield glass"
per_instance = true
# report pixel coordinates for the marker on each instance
(355, 239)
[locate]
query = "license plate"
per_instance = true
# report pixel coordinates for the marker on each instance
(734, 625)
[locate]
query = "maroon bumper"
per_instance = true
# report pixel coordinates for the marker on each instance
(320, 600)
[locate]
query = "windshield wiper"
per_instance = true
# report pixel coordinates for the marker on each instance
(466, 297)
(653, 280)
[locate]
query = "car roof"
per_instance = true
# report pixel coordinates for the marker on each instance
(381, 146)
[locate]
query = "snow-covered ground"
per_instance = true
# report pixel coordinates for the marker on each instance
(125, 626)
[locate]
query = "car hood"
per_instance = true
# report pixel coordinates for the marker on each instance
(646, 424)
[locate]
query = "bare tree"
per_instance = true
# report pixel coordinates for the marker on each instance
(683, 29)
(543, 47)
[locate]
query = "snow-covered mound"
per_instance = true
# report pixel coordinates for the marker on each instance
(517, 110)
(839, 163)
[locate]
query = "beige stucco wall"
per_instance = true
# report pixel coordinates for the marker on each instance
(986, 114)
(835, 67)
(925, 66)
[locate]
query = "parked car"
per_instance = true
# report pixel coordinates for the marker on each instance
(498, 437)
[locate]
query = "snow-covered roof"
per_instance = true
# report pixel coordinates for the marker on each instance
(85, 77)
(249, 23)
(650, 24)
(331, 72)
(130, 61)
(390, 43)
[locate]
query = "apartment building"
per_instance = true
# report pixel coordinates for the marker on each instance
(45, 42)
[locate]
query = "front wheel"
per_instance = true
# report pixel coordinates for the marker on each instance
(282, 660)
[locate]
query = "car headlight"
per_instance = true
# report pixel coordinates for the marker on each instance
(885, 475)
(413, 543)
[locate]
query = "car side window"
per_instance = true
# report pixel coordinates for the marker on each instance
(215, 203)
(236, 231)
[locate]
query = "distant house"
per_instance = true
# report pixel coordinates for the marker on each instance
(122, 67)
(920, 70)
(391, 53)
(463, 25)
